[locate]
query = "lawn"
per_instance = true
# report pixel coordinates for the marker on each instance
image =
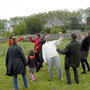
(42, 78)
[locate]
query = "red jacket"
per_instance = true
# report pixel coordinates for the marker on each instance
(10, 41)
(37, 43)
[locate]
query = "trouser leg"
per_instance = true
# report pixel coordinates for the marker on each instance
(25, 81)
(15, 82)
(76, 75)
(87, 64)
(83, 65)
(50, 67)
(68, 75)
(58, 65)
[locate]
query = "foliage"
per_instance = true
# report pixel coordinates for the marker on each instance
(20, 28)
(74, 23)
(55, 30)
(34, 25)
(47, 30)
(82, 27)
(88, 27)
(5, 34)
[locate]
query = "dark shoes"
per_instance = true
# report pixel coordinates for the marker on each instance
(83, 73)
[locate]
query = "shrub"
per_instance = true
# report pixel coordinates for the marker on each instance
(46, 30)
(5, 34)
(88, 27)
(55, 30)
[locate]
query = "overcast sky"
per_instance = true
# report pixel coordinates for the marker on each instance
(13, 8)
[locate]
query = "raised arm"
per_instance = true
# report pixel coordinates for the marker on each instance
(32, 40)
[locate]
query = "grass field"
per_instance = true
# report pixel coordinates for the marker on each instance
(42, 78)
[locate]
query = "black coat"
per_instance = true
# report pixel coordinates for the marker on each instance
(72, 54)
(15, 61)
(85, 44)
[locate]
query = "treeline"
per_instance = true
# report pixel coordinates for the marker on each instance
(75, 20)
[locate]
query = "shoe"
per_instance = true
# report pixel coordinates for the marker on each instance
(69, 83)
(77, 82)
(83, 73)
(88, 69)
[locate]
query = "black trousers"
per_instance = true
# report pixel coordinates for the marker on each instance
(39, 61)
(83, 62)
(69, 77)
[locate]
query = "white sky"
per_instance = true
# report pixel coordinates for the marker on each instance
(13, 8)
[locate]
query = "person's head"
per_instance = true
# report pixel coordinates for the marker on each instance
(37, 35)
(45, 35)
(31, 53)
(73, 36)
(14, 40)
(12, 35)
(78, 35)
(88, 33)
(47, 38)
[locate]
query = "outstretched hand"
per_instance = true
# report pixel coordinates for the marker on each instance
(60, 33)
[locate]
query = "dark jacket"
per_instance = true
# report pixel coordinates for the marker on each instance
(72, 54)
(85, 44)
(31, 61)
(15, 61)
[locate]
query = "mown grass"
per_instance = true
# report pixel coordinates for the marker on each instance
(42, 78)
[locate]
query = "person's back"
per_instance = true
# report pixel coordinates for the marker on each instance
(16, 62)
(75, 53)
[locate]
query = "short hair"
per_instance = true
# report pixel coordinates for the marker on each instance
(88, 33)
(31, 53)
(73, 35)
(14, 39)
(38, 34)
(11, 36)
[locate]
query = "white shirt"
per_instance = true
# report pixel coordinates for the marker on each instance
(49, 49)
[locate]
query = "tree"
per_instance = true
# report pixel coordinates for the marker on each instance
(46, 30)
(74, 23)
(34, 25)
(20, 28)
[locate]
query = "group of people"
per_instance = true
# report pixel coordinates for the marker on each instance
(46, 50)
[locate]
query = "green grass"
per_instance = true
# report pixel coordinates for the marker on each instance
(42, 78)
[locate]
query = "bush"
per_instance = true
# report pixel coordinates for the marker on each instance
(55, 30)
(88, 27)
(82, 27)
(5, 34)
(46, 30)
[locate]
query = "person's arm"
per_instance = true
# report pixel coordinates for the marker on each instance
(44, 53)
(10, 42)
(32, 40)
(20, 39)
(7, 57)
(58, 41)
(65, 51)
(22, 55)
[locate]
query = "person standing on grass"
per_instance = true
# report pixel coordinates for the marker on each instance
(50, 55)
(42, 41)
(10, 40)
(72, 57)
(31, 63)
(79, 37)
(84, 52)
(16, 63)
(37, 49)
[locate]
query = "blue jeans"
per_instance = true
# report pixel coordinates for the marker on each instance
(16, 83)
